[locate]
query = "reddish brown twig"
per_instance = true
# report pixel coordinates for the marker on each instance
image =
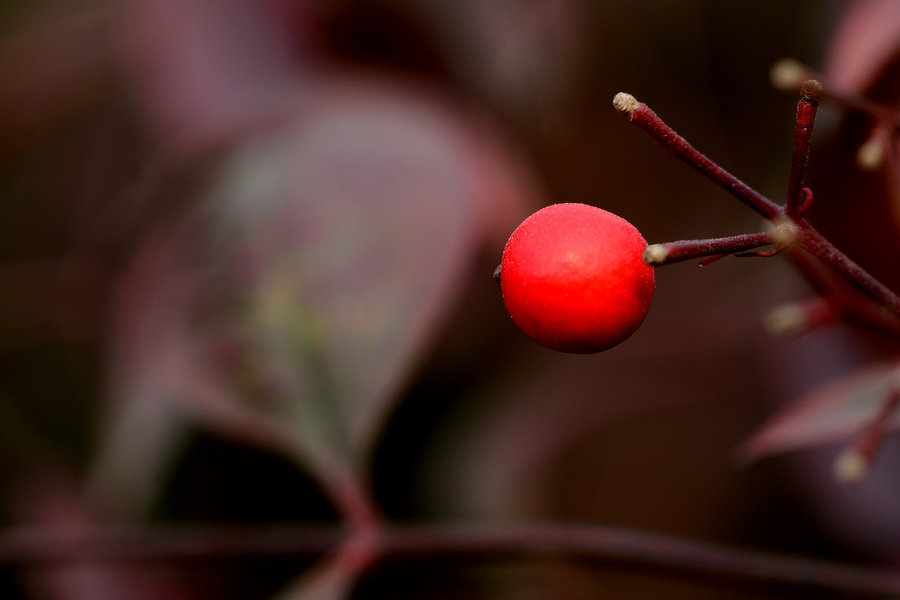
(796, 232)
(816, 244)
(789, 75)
(797, 201)
(640, 114)
(672, 252)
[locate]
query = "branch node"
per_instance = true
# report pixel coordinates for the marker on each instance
(784, 233)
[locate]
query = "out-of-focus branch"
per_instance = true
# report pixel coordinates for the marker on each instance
(603, 546)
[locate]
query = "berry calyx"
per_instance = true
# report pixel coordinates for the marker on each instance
(573, 278)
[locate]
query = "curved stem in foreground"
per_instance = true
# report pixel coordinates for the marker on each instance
(604, 546)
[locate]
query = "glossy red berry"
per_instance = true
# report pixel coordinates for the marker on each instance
(574, 280)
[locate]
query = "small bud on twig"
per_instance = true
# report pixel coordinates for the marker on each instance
(853, 464)
(812, 89)
(788, 75)
(625, 103)
(655, 254)
(873, 151)
(799, 317)
(850, 467)
(798, 232)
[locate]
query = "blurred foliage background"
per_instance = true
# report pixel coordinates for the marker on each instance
(246, 256)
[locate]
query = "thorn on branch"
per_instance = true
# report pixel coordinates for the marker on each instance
(762, 253)
(806, 202)
(711, 259)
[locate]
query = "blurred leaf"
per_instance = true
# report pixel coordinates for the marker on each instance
(524, 56)
(329, 582)
(203, 71)
(864, 44)
(832, 412)
(864, 59)
(346, 239)
(289, 308)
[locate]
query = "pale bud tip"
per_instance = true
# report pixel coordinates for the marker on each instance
(655, 254)
(788, 319)
(625, 103)
(788, 74)
(871, 155)
(850, 467)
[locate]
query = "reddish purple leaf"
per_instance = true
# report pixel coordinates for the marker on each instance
(832, 412)
(203, 71)
(290, 306)
(863, 60)
(865, 42)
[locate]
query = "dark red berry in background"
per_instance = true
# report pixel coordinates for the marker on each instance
(574, 280)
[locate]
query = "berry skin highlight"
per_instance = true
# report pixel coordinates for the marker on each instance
(573, 278)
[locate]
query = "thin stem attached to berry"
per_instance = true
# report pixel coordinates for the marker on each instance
(672, 252)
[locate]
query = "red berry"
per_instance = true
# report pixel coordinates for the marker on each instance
(574, 280)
